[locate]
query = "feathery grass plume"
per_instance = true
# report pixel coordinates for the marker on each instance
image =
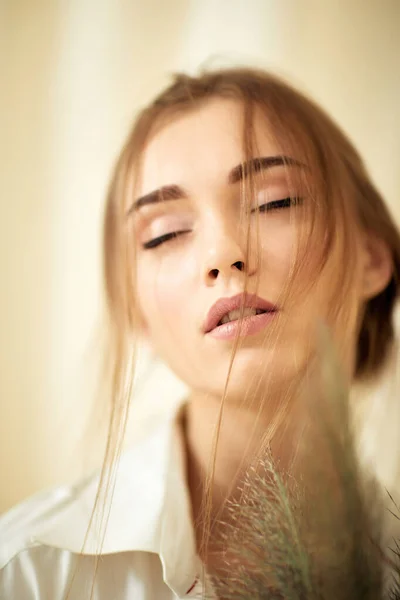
(394, 556)
(394, 591)
(316, 537)
(265, 554)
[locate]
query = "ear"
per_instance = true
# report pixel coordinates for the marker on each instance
(378, 266)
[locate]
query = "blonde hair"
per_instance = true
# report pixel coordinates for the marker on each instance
(344, 188)
(337, 162)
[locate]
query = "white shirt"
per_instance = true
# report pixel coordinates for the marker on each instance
(149, 549)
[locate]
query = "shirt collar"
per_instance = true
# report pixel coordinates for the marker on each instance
(150, 507)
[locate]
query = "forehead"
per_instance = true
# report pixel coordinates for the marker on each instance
(199, 148)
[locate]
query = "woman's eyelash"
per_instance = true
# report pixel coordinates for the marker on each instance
(277, 204)
(267, 207)
(163, 238)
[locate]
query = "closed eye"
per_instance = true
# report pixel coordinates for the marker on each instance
(163, 238)
(267, 207)
(277, 204)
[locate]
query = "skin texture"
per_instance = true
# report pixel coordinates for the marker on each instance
(180, 280)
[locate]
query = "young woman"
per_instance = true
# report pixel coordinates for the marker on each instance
(240, 221)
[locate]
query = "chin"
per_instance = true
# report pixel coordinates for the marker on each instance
(258, 373)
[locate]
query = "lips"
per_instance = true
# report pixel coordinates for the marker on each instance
(224, 306)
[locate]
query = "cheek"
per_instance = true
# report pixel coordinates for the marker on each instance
(277, 254)
(166, 287)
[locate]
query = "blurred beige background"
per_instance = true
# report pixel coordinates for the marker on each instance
(73, 74)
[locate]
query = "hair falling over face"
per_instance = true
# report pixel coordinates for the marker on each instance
(329, 202)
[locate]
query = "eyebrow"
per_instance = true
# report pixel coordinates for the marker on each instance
(238, 173)
(167, 192)
(255, 165)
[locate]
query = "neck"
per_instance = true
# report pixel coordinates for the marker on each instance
(242, 431)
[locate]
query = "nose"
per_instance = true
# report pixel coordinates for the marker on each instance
(213, 274)
(225, 257)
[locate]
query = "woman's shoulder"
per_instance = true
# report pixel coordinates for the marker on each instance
(44, 535)
(28, 565)
(20, 526)
(60, 516)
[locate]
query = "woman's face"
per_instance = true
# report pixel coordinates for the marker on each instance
(192, 235)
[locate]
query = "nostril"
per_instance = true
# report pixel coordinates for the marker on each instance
(214, 273)
(239, 265)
